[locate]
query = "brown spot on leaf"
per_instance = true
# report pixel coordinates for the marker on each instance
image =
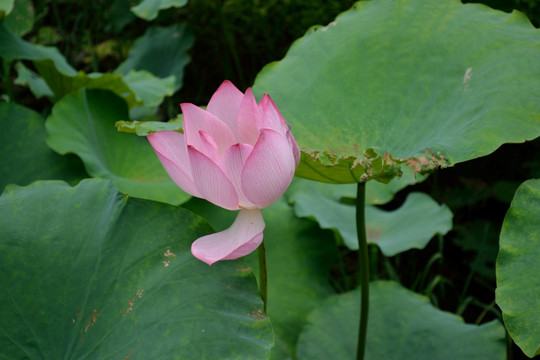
(92, 320)
(243, 269)
(129, 354)
(168, 257)
(257, 314)
(131, 302)
(429, 162)
(467, 78)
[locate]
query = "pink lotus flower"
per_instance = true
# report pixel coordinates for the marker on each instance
(237, 154)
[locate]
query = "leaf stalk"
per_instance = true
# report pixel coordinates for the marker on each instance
(363, 269)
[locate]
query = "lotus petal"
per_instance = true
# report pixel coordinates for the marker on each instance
(232, 164)
(211, 181)
(243, 237)
(269, 169)
(225, 104)
(170, 147)
(250, 119)
(197, 119)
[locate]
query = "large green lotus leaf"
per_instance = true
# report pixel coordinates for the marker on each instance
(409, 227)
(299, 258)
(148, 9)
(13, 47)
(518, 283)
(427, 83)
(161, 51)
(24, 153)
(83, 123)
(88, 273)
(21, 19)
(402, 325)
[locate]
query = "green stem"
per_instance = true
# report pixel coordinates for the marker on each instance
(363, 269)
(263, 275)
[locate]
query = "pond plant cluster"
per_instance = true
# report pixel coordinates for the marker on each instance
(409, 231)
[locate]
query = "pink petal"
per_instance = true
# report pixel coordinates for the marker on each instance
(269, 169)
(209, 146)
(197, 119)
(232, 164)
(211, 181)
(170, 148)
(225, 104)
(250, 119)
(294, 147)
(272, 117)
(243, 237)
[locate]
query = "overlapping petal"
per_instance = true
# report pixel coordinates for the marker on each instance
(211, 181)
(225, 104)
(243, 237)
(232, 163)
(197, 119)
(272, 117)
(269, 169)
(209, 146)
(250, 119)
(294, 147)
(170, 147)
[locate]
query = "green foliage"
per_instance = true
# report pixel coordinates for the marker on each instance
(411, 89)
(410, 226)
(144, 128)
(161, 51)
(299, 257)
(33, 81)
(518, 284)
(387, 76)
(148, 9)
(25, 156)
(21, 19)
(13, 47)
(6, 7)
(409, 328)
(82, 279)
(83, 123)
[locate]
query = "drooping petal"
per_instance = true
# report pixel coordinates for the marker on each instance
(243, 237)
(225, 104)
(250, 119)
(232, 163)
(171, 150)
(211, 181)
(269, 169)
(197, 119)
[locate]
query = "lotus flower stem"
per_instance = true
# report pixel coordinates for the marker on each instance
(263, 276)
(363, 269)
